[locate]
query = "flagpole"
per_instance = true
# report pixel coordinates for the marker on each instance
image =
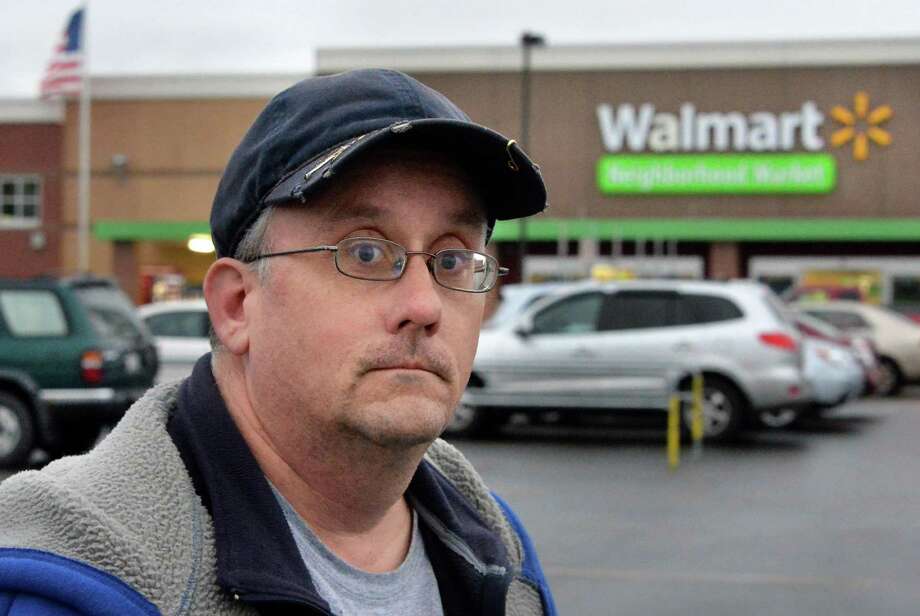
(83, 164)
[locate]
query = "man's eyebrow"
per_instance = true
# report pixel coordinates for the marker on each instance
(473, 218)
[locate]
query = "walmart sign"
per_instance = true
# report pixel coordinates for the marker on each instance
(693, 152)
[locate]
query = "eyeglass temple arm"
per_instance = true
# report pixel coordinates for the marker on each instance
(294, 252)
(503, 271)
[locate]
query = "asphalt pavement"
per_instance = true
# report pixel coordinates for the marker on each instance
(821, 519)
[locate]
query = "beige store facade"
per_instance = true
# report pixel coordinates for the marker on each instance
(158, 148)
(794, 162)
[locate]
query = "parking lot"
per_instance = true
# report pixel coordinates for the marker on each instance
(821, 519)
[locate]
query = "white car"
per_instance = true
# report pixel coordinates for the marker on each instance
(515, 298)
(859, 346)
(834, 374)
(617, 346)
(180, 329)
(896, 338)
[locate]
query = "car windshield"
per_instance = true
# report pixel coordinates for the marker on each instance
(823, 328)
(846, 321)
(110, 312)
(515, 300)
(182, 323)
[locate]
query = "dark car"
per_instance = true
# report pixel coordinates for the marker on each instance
(73, 357)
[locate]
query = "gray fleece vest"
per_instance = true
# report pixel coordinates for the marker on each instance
(128, 507)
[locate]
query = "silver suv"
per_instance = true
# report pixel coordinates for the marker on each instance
(620, 346)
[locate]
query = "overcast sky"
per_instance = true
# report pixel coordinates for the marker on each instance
(261, 36)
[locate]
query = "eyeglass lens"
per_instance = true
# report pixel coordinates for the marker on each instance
(378, 259)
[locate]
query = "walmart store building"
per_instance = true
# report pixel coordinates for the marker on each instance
(797, 162)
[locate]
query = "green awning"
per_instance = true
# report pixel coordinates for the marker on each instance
(551, 229)
(152, 230)
(717, 229)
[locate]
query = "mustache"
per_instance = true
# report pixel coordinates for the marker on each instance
(407, 355)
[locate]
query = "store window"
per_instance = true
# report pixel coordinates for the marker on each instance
(905, 291)
(20, 200)
(778, 284)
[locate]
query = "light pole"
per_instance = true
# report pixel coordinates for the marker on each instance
(529, 40)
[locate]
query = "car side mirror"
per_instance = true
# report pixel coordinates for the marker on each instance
(523, 329)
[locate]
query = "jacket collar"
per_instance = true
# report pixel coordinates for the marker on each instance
(257, 559)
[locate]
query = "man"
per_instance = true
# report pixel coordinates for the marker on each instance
(297, 470)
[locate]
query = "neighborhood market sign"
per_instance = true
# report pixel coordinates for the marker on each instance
(693, 152)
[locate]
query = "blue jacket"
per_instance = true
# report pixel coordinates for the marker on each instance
(255, 560)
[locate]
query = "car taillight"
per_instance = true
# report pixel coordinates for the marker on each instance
(779, 340)
(91, 367)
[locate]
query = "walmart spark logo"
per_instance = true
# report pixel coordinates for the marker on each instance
(861, 125)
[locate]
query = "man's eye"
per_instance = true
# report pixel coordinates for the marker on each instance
(448, 261)
(453, 262)
(367, 253)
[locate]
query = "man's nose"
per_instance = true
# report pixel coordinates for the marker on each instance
(418, 296)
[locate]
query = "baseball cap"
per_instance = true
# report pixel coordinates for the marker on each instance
(308, 134)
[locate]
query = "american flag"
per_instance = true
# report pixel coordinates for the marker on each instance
(65, 71)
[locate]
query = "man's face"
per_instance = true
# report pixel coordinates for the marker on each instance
(387, 361)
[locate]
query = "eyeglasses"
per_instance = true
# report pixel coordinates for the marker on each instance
(372, 258)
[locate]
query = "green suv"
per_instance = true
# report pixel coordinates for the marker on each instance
(73, 357)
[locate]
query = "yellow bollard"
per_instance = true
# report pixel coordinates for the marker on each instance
(696, 412)
(674, 432)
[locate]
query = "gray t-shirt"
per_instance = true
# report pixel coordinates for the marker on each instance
(410, 590)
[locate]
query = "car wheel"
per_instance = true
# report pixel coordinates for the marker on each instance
(471, 421)
(890, 379)
(17, 432)
(723, 407)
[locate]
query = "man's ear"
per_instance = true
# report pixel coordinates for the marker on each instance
(226, 286)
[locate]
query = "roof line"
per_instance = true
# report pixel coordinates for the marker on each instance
(31, 111)
(663, 55)
(681, 55)
(185, 86)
